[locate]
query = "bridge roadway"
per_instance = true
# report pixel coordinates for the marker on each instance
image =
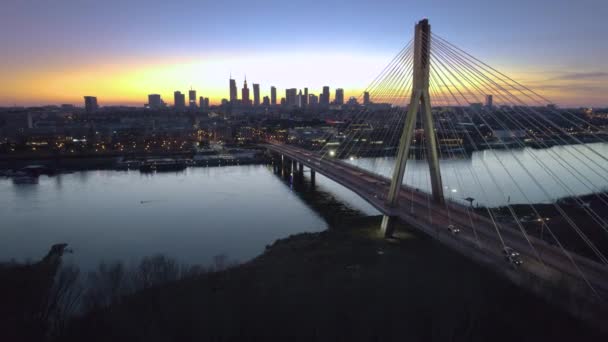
(478, 237)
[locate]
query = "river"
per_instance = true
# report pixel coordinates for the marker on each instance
(499, 177)
(192, 216)
(197, 214)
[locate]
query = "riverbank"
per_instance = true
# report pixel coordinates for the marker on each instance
(55, 164)
(343, 284)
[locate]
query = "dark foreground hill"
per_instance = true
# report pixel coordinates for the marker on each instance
(343, 284)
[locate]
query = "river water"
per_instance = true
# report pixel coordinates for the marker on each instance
(499, 177)
(191, 216)
(236, 211)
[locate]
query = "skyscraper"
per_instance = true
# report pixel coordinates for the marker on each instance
(245, 94)
(339, 100)
(291, 97)
(266, 102)
(324, 98)
(192, 98)
(203, 103)
(90, 104)
(366, 98)
(489, 100)
(273, 96)
(256, 94)
(305, 98)
(154, 101)
(300, 100)
(179, 100)
(313, 100)
(233, 91)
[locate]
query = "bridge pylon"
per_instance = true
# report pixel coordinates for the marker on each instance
(420, 101)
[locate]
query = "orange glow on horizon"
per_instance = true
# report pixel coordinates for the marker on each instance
(130, 83)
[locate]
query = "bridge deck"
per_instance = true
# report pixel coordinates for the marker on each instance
(479, 234)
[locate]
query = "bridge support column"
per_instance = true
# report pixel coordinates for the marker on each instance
(300, 172)
(286, 167)
(387, 228)
(312, 177)
(420, 101)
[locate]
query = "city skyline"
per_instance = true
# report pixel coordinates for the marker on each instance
(63, 53)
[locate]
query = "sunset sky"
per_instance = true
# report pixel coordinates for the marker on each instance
(55, 52)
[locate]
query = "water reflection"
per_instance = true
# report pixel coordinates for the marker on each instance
(190, 216)
(498, 177)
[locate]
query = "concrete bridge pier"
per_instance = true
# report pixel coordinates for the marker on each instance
(294, 168)
(276, 163)
(285, 166)
(288, 166)
(312, 178)
(387, 227)
(297, 172)
(300, 172)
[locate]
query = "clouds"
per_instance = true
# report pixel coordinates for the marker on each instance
(576, 76)
(583, 88)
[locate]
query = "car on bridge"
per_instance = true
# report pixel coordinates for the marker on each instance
(512, 256)
(453, 229)
(508, 251)
(514, 260)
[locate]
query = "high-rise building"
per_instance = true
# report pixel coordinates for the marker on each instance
(179, 100)
(233, 91)
(256, 94)
(324, 98)
(489, 100)
(30, 120)
(245, 94)
(313, 100)
(192, 98)
(291, 97)
(90, 104)
(300, 100)
(339, 100)
(305, 98)
(266, 102)
(203, 103)
(366, 98)
(154, 101)
(273, 96)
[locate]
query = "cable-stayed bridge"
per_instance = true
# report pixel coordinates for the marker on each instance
(436, 102)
